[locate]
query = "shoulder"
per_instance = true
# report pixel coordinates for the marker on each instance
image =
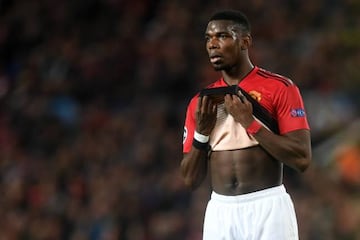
(218, 83)
(193, 101)
(274, 78)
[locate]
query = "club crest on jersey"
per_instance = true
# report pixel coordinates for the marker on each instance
(255, 95)
(185, 134)
(297, 112)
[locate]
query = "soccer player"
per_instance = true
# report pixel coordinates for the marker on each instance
(242, 137)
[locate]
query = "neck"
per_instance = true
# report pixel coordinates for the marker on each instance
(235, 75)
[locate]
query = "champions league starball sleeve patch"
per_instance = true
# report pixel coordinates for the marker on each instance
(297, 112)
(185, 134)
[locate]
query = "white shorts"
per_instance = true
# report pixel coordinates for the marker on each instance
(263, 215)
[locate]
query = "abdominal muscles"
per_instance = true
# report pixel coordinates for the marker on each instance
(243, 171)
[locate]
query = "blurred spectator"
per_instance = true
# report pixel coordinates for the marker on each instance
(92, 93)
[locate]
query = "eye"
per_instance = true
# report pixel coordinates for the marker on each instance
(223, 36)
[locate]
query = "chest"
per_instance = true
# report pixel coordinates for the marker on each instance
(262, 93)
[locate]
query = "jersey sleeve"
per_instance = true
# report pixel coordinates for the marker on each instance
(189, 126)
(290, 113)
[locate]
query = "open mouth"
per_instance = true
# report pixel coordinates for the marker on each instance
(215, 58)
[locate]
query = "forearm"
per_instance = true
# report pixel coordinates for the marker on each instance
(194, 167)
(292, 149)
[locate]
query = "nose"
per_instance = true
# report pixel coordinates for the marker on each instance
(213, 43)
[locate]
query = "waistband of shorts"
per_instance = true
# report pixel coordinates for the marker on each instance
(261, 194)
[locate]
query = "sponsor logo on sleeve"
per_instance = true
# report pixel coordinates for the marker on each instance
(297, 112)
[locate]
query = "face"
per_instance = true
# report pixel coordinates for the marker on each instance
(224, 44)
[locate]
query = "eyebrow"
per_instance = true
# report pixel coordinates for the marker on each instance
(217, 33)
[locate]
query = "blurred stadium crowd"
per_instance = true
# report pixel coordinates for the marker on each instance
(93, 96)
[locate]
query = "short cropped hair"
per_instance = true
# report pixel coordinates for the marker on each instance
(235, 16)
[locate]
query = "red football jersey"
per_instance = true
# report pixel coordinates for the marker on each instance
(278, 94)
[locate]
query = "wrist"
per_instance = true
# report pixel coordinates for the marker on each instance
(201, 141)
(254, 127)
(201, 137)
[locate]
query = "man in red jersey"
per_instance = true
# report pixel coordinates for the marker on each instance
(243, 154)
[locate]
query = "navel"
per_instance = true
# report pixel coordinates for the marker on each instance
(234, 182)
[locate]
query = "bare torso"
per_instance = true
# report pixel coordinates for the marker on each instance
(243, 171)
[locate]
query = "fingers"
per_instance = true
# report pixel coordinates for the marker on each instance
(214, 109)
(242, 97)
(206, 115)
(206, 105)
(199, 103)
(234, 99)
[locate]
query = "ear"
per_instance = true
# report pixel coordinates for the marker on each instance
(246, 42)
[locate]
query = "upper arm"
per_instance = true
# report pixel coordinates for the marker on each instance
(189, 126)
(302, 138)
(291, 113)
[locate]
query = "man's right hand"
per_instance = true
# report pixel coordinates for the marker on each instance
(205, 115)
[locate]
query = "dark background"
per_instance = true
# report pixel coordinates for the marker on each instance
(93, 97)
